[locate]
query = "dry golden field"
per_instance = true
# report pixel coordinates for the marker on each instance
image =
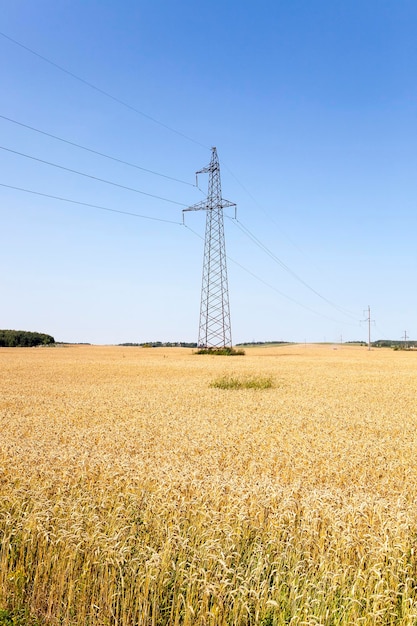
(133, 492)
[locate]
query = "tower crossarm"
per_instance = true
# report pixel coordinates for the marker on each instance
(205, 205)
(199, 206)
(226, 203)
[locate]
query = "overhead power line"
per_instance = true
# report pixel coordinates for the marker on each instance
(266, 213)
(170, 128)
(101, 180)
(102, 154)
(285, 267)
(87, 204)
(102, 91)
(384, 335)
(157, 219)
(281, 293)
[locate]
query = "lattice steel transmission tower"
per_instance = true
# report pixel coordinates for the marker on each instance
(215, 329)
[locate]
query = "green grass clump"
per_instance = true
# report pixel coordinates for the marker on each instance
(16, 618)
(5, 618)
(221, 351)
(231, 382)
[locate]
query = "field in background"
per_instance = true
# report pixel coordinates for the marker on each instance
(133, 491)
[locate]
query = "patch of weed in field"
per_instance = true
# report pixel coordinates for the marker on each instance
(221, 351)
(5, 618)
(232, 382)
(16, 618)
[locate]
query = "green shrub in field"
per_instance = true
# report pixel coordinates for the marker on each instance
(5, 618)
(221, 351)
(16, 618)
(232, 382)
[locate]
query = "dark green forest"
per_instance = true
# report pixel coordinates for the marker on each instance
(24, 339)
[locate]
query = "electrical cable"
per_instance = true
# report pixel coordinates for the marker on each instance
(125, 104)
(156, 219)
(285, 267)
(102, 91)
(107, 156)
(384, 336)
(101, 180)
(281, 293)
(94, 206)
(268, 215)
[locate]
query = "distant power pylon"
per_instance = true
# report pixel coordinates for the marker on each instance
(215, 328)
(368, 319)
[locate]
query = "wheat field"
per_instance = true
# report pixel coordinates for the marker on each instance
(133, 491)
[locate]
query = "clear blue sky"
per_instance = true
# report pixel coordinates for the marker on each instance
(312, 106)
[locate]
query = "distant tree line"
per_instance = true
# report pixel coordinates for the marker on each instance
(388, 343)
(24, 339)
(161, 344)
(397, 345)
(263, 343)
